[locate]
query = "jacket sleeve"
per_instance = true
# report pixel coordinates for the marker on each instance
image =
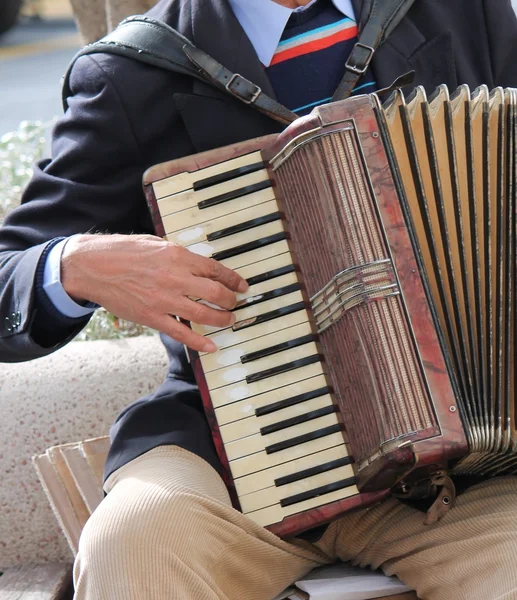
(92, 183)
(501, 27)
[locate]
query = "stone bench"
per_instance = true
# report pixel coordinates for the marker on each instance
(37, 582)
(74, 394)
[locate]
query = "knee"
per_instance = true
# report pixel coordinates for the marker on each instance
(138, 522)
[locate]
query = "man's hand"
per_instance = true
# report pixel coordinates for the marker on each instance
(146, 280)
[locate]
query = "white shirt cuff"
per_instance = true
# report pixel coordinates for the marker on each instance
(56, 292)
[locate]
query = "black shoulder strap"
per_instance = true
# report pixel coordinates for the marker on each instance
(155, 43)
(382, 18)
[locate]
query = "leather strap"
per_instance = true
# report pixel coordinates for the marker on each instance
(383, 17)
(154, 42)
(237, 85)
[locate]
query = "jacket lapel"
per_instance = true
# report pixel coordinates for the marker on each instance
(211, 116)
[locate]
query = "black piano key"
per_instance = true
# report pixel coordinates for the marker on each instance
(259, 298)
(222, 233)
(273, 314)
(270, 275)
(309, 416)
(320, 491)
(303, 439)
(290, 366)
(249, 246)
(306, 339)
(234, 194)
(228, 176)
(281, 404)
(329, 466)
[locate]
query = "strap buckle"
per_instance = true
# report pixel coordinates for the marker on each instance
(358, 69)
(249, 96)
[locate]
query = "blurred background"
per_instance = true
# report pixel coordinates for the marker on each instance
(38, 40)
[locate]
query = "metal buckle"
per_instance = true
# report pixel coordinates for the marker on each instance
(358, 70)
(254, 96)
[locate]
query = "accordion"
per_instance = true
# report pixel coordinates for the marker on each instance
(374, 350)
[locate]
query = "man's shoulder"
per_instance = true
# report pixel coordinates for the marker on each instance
(94, 70)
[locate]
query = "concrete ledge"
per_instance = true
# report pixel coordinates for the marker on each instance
(74, 394)
(37, 582)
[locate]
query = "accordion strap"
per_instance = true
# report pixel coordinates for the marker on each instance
(383, 17)
(153, 42)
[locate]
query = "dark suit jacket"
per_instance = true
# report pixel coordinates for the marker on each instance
(125, 116)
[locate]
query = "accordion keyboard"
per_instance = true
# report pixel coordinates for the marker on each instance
(284, 441)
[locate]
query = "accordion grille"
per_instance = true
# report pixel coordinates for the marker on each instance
(364, 330)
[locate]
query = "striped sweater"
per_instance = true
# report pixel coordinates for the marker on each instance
(310, 59)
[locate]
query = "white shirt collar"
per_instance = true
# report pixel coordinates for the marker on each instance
(264, 22)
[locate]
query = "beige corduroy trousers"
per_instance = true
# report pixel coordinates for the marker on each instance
(96, 18)
(167, 531)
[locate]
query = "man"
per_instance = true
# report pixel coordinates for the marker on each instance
(166, 528)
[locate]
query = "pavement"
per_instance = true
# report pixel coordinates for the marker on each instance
(33, 58)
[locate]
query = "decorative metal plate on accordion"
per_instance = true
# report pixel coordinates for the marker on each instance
(374, 349)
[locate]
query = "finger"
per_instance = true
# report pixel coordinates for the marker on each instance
(183, 334)
(211, 291)
(211, 269)
(200, 313)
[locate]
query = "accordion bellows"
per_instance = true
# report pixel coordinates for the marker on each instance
(374, 350)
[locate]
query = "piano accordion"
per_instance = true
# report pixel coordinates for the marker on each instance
(374, 350)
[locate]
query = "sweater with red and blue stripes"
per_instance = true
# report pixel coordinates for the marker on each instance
(309, 61)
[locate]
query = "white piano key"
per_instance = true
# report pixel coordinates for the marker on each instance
(273, 495)
(260, 460)
(243, 409)
(268, 286)
(208, 249)
(183, 181)
(230, 356)
(242, 260)
(257, 443)
(239, 372)
(275, 514)
(256, 310)
(200, 231)
(252, 425)
(260, 480)
(253, 311)
(194, 216)
(265, 266)
(241, 390)
(189, 198)
(227, 338)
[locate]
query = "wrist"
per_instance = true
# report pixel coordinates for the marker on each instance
(75, 258)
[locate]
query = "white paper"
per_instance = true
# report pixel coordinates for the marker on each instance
(345, 582)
